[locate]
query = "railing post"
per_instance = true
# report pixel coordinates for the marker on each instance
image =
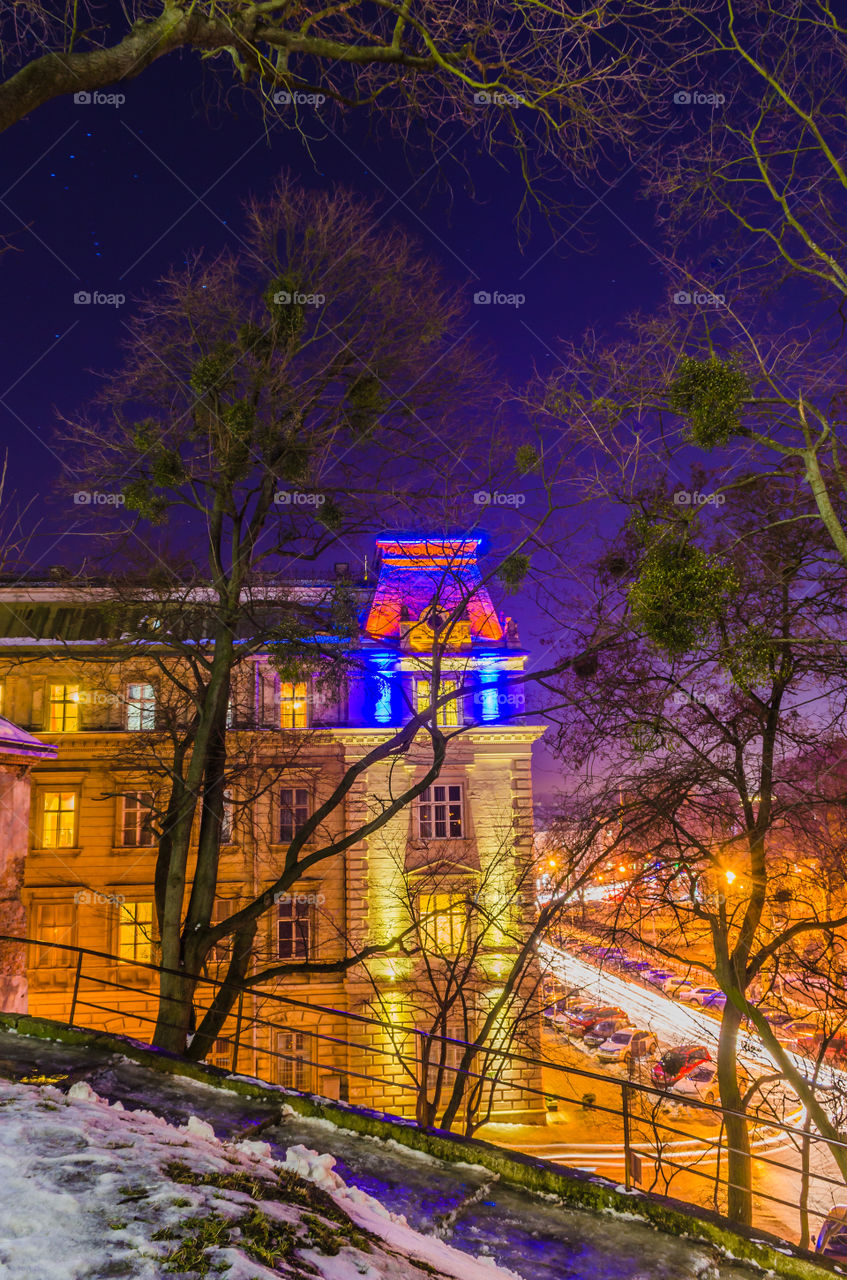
(627, 1147)
(237, 1031)
(76, 988)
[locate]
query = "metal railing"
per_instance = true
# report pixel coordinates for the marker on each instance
(689, 1166)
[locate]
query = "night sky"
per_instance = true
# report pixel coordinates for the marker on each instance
(106, 198)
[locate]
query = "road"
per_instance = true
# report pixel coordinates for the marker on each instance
(776, 1157)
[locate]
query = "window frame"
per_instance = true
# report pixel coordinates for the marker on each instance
(294, 706)
(291, 809)
(67, 700)
(448, 716)
(146, 942)
(453, 913)
(138, 843)
(427, 812)
(300, 918)
(63, 959)
(44, 792)
(144, 706)
(293, 1058)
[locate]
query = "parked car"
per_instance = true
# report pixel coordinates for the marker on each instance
(658, 977)
(586, 1020)
(832, 1240)
(628, 1044)
(600, 1031)
(699, 995)
(636, 966)
(678, 1062)
(715, 1001)
(700, 1083)
(676, 987)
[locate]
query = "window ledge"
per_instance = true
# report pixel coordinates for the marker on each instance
(64, 850)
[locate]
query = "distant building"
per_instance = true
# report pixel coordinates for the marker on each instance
(92, 842)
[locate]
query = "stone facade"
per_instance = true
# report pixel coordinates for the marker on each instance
(90, 864)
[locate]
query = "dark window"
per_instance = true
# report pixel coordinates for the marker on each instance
(293, 929)
(293, 812)
(440, 812)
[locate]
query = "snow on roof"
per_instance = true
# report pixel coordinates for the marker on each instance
(15, 741)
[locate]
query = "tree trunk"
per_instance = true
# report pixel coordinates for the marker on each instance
(739, 1161)
(176, 1010)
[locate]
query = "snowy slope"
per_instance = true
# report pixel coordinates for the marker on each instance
(87, 1187)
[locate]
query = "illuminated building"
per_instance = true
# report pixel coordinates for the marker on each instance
(92, 841)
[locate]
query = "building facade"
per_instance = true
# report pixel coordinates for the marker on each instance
(449, 875)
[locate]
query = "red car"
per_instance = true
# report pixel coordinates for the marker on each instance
(835, 1051)
(583, 1019)
(678, 1062)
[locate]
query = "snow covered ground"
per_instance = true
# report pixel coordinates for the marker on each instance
(92, 1190)
(164, 1181)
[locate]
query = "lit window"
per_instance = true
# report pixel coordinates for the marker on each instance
(447, 716)
(58, 827)
(293, 928)
(293, 812)
(440, 812)
(63, 708)
(2, 699)
(135, 932)
(54, 924)
(444, 919)
(294, 1069)
(140, 707)
(138, 820)
(293, 705)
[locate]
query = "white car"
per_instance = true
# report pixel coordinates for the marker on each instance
(700, 1084)
(627, 1045)
(698, 995)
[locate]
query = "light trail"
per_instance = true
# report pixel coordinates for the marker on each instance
(670, 1020)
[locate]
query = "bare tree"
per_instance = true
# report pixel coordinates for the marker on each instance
(716, 673)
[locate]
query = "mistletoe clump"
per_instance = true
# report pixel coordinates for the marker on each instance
(709, 395)
(678, 593)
